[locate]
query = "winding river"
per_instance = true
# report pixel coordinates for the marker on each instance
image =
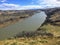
(29, 24)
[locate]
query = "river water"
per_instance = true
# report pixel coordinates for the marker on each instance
(29, 24)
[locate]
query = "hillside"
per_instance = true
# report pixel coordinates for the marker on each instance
(52, 23)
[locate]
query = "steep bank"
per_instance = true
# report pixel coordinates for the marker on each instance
(52, 23)
(53, 16)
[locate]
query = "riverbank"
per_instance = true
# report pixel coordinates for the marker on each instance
(11, 17)
(10, 23)
(52, 23)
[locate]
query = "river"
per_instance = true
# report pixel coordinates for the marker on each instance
(29, 24)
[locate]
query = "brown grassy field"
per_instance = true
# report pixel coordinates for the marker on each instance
(32, 41)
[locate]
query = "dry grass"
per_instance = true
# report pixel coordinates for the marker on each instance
(31, 41)
(52, 29)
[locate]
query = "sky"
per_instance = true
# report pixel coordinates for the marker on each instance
(28, 4)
